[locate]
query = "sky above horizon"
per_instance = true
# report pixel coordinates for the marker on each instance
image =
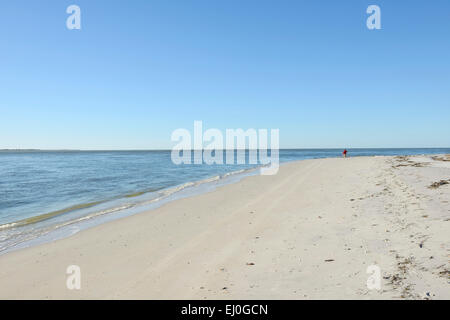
(138, 70)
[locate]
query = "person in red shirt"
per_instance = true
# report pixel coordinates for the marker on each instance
(344, 153)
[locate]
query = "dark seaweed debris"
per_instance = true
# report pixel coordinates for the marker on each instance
(437, 184)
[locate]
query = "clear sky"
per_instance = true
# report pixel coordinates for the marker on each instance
(137, 70)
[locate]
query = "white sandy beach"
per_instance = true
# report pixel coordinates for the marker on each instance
(309, 232)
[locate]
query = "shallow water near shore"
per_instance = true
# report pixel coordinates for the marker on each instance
(47, 195)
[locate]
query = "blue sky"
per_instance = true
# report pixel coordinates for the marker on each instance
(137, 70)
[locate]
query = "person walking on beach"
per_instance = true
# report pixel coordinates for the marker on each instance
(344, 153)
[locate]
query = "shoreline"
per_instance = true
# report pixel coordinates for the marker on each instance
(264, 237)
(105, 212)
(145, 201)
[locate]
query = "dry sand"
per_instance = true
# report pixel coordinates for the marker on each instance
(308, 232)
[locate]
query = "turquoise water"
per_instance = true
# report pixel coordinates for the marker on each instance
(41, 192)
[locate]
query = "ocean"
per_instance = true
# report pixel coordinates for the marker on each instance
(48, 195)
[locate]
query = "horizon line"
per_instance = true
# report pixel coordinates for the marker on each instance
(112, 150)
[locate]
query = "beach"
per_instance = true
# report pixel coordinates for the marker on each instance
(309, 232)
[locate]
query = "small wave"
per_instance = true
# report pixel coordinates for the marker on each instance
(48, 215)
(232, 173)
(170, 191)
(140, 193)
